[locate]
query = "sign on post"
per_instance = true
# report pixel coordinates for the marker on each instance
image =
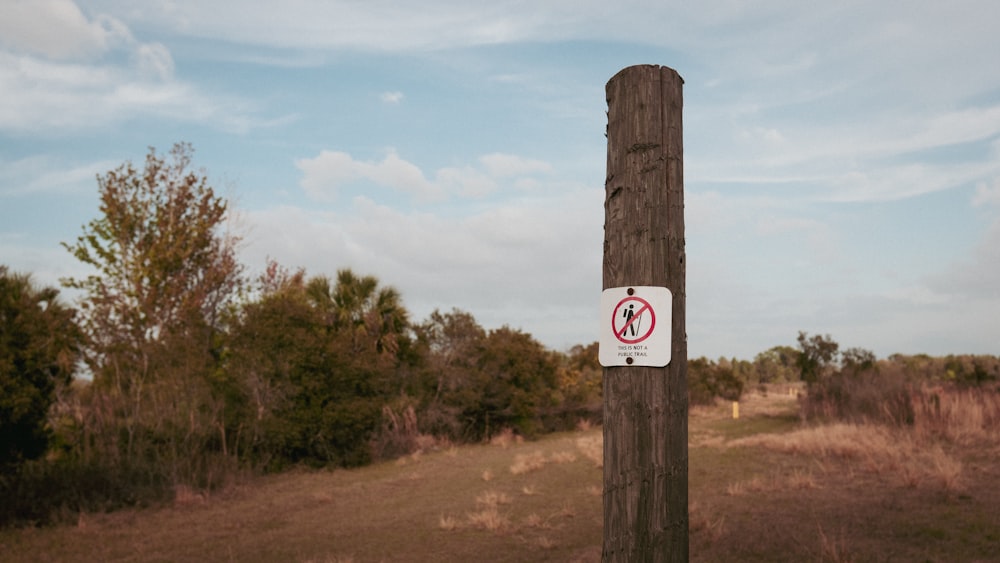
(635, 326)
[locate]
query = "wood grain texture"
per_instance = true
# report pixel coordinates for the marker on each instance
(645, 408)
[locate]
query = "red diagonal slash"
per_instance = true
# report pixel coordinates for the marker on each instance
(632, 319)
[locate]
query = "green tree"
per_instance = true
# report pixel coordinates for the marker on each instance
(708, 380)
(582, 373)
(855, 361)
(450, 343)
(372, 319)
(166, 272)
(517, 378)
(39, 346)
(315, 362)
(776, 364)
(453, 340)
(817, 354)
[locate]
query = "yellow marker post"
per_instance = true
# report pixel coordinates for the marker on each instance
(736, 410)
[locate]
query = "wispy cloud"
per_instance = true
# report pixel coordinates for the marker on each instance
(330, 172)
(42, 174)
(391, 97)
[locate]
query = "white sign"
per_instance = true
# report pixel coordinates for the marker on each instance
(635, 326)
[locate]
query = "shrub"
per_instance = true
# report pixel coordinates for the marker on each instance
(864, 397)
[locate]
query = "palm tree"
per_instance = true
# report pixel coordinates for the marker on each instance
(372, 317)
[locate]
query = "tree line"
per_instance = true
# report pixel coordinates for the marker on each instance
(174, 368)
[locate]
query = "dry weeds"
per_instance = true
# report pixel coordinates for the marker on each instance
(505, 438)
(699, 522)
(833, 550)
(544, 542)
(964, 417)
(186, 496)
(493, 498)
(447, 523)
(489, 519)
(876, 449)
(526, 463)
(562, 457)
(592, 448)
(331, 559)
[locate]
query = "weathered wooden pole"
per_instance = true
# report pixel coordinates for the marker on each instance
(645, 408)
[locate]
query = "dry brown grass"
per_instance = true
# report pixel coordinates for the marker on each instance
(331, 559)
(592, 447)
(801, 479)
(526, 463)
(533, 520)
(545, 542)
(777, 492)
(493, 498)
(754, 485)
(505, 438)
(186, 496)
(961, 416)
(895, 452)
(489, 519)
(833, 550)
(562, 457)
(447, 523)
(702, 523)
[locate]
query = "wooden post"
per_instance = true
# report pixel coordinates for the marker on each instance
(645, 408)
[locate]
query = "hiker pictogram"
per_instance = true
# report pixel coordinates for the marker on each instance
(633, 320)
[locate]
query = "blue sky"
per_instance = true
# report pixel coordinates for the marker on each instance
(842, 159)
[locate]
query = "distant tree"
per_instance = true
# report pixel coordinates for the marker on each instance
(166, 272)
(453, 340)
(517, 377)
(817, 354)
(854, 361)
(776, 364)
(39, 346)
(708, 380)
(451, 343)
(580, 376)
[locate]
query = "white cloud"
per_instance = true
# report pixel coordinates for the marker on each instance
(918, 295)
(503, 165)
(53, 98)
(330, 172)
(62, 72)
(532, 263)
(465, 181)
(153, 60)
(43, 174)
(327, 173)
(391, 97)
(987, 194)
(58, 29)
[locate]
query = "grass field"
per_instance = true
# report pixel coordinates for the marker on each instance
(762, 488)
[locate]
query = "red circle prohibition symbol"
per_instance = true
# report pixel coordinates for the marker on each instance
(634, 318)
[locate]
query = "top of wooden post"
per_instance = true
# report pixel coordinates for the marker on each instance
(644, 69)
